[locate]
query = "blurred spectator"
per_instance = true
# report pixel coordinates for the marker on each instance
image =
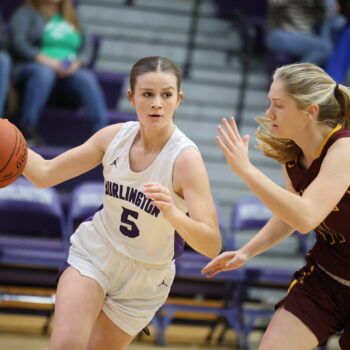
(5, 66)
(50, 48)
(300, 28)
(344, 8)
(339, 62)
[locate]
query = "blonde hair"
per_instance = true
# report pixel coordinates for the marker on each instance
(306, 84)
(66, 9)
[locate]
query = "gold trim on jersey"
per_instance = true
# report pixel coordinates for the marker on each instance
(318, 153)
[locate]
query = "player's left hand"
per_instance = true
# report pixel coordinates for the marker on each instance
(234, 147)
(161, 197)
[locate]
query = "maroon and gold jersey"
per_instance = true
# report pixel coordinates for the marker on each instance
(332, 247)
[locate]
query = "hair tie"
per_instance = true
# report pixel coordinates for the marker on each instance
(336, 87)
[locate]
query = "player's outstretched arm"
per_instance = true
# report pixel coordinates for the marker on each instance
(286, 205)
(74, 162)
(270, 235)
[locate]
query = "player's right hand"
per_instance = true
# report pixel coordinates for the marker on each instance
(234, 147)
(226, 261)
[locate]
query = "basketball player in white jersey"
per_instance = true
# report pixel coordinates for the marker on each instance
(121, 263)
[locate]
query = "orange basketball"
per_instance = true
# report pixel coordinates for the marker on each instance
(13, 153)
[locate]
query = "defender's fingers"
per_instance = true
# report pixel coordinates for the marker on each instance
(209, 267)
(234, 127)
(229, 130)
(226, 139)
(215, 263)
(222, 146)
(214, 272)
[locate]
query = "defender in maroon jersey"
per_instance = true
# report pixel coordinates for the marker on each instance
(306, 129)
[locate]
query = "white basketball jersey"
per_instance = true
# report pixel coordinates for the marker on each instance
(128, 220)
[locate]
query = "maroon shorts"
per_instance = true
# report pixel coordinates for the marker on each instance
(321, 303)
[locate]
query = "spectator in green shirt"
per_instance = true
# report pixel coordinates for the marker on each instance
(50, 49)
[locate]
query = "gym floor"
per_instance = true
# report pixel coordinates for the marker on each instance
(24, 332)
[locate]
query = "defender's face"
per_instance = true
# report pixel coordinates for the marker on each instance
(287, 120)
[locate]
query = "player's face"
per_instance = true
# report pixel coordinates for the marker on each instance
(155, 98)
(287, 120)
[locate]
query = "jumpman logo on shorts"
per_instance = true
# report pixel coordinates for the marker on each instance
(115, 162)
(163, 283)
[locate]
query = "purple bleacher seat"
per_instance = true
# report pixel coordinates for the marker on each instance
(61, 126)
(85, 200)
(71, 127)
(121, 117)
(31, 221)
(249, 213)
(36, 257)
(27, 210)
(32, 248)
(112, 85)
(21, 275)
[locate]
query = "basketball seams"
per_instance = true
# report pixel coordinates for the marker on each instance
(12, 175)
(13, 151)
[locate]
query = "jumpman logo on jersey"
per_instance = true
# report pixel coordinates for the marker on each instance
(163, 283)
(115, 162)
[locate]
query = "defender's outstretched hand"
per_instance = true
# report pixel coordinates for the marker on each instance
(234, 147)
(224, 262)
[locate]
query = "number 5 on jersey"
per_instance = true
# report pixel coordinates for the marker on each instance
(129, 228)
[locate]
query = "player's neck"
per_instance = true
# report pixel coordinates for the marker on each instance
(153, 142)
(311, 143)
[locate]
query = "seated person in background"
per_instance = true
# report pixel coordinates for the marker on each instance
(339, 63)
(5, 67)
(49, 48)
(300, 28)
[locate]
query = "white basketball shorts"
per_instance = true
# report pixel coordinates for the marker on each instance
(134, 290)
